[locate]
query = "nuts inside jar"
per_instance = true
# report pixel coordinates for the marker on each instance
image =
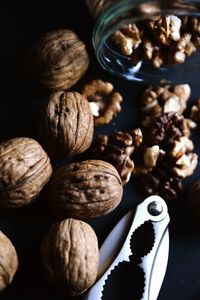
(159, 40)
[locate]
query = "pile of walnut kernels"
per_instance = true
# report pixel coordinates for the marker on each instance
(159, 153)
(160, 40)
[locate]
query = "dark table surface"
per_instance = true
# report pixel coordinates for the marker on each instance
(22, 22)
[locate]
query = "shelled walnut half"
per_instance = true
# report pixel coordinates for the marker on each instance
(117, 150)
(70, 255)
(104, 102)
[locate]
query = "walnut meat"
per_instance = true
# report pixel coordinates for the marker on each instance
(66, 126)
(59, 59)
(70, 256)
(105, 104)
(24, 170)
(85, 190)
(8, 261)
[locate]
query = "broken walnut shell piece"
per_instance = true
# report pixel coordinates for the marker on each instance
(70, 256)
(66, 124)
(85, 190)
(59, 59)
(8, 262)
(24, 170)
(104, 103)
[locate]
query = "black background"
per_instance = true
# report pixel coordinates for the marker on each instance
(21, 24)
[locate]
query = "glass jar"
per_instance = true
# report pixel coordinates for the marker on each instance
(167, 46)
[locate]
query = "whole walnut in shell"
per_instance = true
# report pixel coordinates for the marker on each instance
(24, 170)
(66, 125)
(59, 59)
(8, 261)
(85, 190)
(70, 256)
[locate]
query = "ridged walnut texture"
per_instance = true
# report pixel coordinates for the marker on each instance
(85, 189)
(24, 170)
(59, 59)
(66, 126)
(8, 261)
(70, 255)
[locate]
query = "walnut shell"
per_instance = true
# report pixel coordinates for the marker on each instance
(70, 256)
(24, 169)
(8, 261)
(84, 190)
(59, 59)
(67, 125)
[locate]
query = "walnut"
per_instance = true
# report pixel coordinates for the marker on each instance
(195, 112)
(161, 182)
(105, 104)
(185, 160)
(8, 261)
(194, 201)
(24, 170)
(165, 129)
(158, 100)
(85, 190)
(181, 49)
(117, 150)
(58, 59)
(160, 40)
(151, 52)
(66, 124)
(151, 155)
(195, 24)
(165, 28)
(127, 38)
(70, 256)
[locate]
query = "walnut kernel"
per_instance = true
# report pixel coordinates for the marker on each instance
(104, 103)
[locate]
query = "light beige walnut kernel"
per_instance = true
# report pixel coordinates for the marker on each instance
(105, 104)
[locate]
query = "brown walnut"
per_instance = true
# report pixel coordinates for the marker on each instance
(59, 59)
(67, 125)
(70, 256)
(8, 261)
(24, 170)
(85, 190)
